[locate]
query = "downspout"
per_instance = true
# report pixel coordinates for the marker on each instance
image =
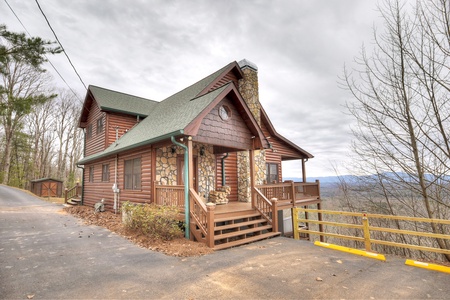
(115, 187)
(224, 181)
(186, 186)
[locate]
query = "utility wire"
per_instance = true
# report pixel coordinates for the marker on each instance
(65, 53)
(54, 68)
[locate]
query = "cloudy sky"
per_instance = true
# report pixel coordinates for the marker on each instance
(155, 48)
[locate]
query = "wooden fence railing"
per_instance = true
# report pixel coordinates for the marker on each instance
(365, 227)
(171, 195)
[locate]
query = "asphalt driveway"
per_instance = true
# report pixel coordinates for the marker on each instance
(45, 253)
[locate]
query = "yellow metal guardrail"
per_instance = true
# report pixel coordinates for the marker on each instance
(366, 228)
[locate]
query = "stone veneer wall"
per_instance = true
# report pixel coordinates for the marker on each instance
(244, 184)
(248, 87)
(167, 173)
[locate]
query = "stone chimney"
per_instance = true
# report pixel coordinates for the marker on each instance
(248, 87)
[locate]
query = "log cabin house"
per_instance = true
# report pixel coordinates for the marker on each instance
(209, 149)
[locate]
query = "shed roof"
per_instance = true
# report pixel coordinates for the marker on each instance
(46, 179)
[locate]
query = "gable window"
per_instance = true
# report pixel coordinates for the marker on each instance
(105, 172)
(132, 174)
(272, 173)
(89, 131)
(91, 174)
(99, 125)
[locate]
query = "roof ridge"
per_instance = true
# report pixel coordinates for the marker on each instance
(122, 93)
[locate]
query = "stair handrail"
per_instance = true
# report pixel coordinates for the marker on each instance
(72, 192)
(267, 208)
(201, 216)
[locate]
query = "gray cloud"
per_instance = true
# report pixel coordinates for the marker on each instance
(155, 48)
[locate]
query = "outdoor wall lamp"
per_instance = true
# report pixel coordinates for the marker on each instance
(173, 149)
(202, 151)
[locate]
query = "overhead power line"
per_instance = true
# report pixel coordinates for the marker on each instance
(51, 64)
(59, 42)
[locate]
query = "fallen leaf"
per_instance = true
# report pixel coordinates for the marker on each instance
(339, 261)
(30, 296)
(319, 279)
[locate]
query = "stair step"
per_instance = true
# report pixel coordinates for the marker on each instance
(76, 199)
(239, 224)
(71, 202)
(248, 215)
(241, 232)
(246, 240)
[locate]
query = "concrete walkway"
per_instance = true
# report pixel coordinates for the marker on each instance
(45, 254)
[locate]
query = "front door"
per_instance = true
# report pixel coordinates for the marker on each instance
(180, 171)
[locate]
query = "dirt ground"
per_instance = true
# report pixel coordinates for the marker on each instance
(113, 222)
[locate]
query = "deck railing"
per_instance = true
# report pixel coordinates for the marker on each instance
(267, 208)
(171, 195)
(292, 193)
(201, 218)
(72, 192)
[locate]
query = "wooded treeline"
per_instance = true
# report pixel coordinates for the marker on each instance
(401, 105)
(38, 126)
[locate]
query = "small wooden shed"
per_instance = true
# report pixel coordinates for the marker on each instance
(47, 187)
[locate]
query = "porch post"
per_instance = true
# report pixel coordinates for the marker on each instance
(190, 163)
(153, 175)
(303, 170)
(252, 176)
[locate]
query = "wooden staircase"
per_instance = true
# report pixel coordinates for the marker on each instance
(74, 201)
(240, 228)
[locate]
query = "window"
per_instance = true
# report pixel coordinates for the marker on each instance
(133, 174)
(272, 173)
(89, 131)
(99, 125)
(105, 172)
(91, 174)
(224, 112)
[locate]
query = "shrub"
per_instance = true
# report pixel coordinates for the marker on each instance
(159, 222)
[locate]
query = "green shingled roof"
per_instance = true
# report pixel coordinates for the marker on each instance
(164, 119)
(109, 100)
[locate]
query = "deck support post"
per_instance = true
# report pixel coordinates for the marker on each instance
(274, 214)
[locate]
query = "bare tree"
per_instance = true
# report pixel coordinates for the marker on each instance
(25, 87)
(402, 111)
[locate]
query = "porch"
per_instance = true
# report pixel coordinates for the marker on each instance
(235, 223)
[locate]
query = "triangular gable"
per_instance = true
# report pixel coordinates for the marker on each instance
(231, 72)
(108, 100)
(265, 119)
(249, 119)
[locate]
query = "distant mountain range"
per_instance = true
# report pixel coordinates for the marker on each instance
(350, 178)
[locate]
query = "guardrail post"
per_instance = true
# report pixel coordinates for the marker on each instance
(274, 214)
(210, 224)
(365, 222)
(294, 214)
